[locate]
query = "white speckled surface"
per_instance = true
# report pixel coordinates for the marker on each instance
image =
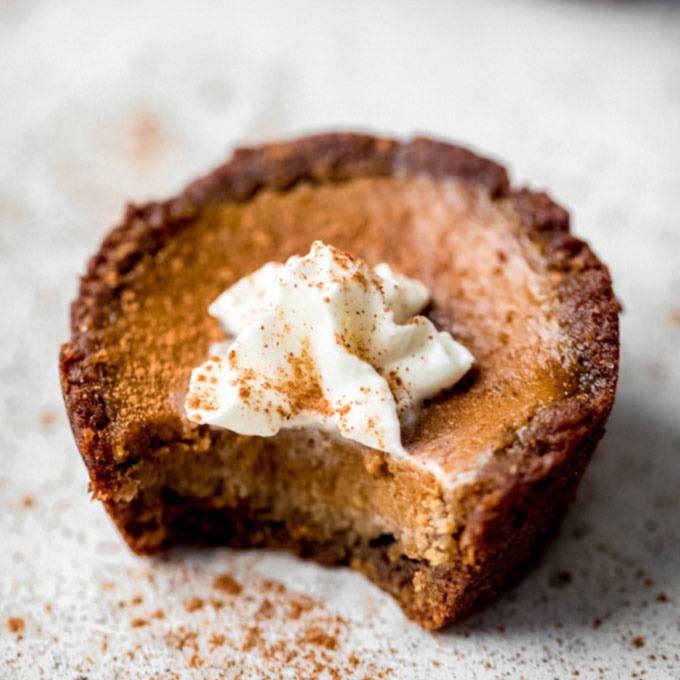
(105, 102)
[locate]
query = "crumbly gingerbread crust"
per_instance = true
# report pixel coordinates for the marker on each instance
(521, 495)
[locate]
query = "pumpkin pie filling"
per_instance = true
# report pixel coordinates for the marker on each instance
(400, 520)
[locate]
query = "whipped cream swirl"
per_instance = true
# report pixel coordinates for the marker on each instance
(324, 341)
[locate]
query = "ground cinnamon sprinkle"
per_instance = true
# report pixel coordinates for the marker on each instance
(47, 418)
(265, 611)
(182, 638)
(217, 639)
(15, 625)
(252, 639)
(300, 605)
(303, 388)
(227, 584)
(674, 316)
(316, 636)
(195, 661)
(279, 634)
(269, 585)
(194, 603)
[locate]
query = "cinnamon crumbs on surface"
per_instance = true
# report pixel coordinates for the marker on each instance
(674, 316)
(317, 636)
(193, 604)
(227, 584)
(15, 625)
(195, 661)
(299, 605)
(182, 638)
(47, 418)
(279, 633)
(265, 611)
(217, 640)
(252, 639)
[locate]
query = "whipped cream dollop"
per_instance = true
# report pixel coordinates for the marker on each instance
(324, 341)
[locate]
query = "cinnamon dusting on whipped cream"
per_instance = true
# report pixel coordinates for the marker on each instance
(324, 341)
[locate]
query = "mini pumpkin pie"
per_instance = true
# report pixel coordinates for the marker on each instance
(482, 468)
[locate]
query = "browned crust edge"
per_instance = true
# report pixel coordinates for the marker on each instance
(555, 445)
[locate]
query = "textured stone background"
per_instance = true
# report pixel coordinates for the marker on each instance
(102, 102)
